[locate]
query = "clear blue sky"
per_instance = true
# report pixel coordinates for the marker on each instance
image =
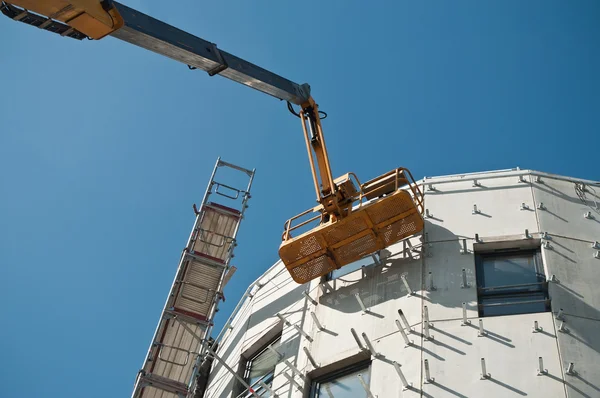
(104, 147)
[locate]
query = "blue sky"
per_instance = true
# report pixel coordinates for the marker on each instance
(104, 147)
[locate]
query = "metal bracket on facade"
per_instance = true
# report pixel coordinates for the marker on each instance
(484, 374)
(482, 332)
(312, 300)
(311, 359)
(364, 309)
(405, 321)
(405, 384)
(365, 386)
(370, 346)
(316, 321)
(541, 371)
(562, 327)
(465, 321)
(357, 339)
(410, 291)
(407, 342)
(428, 378)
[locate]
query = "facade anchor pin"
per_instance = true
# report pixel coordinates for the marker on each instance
(541, 371)
(524, 206)
(482, 332)
(312, 300)
(404, 320)
(404, 335)
(357, 339)
(597, 254)
(426, 324)
(465, 321)
(562, 328)
(589, 215)
(559, 315)
(428, 214)
(361, 303)
(370, 346)
(484, 374)
(571, 369)
(410, 291)
(311, 359)
(475, 210)
(541, 206)
(428, 378)
(405, 384)
(316, 321)
(476, 183)
(596, 245)
(536, 327)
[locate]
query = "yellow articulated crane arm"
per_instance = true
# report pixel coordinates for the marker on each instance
(352, 220)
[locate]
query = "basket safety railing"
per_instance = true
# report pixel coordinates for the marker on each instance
(400, 175)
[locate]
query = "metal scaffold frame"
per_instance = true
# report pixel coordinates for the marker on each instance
(182, 337)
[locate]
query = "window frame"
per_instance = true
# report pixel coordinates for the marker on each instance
(364, 365)
(537, 291)
(245, 367)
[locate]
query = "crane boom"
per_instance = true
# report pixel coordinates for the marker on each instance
(347, 230)
(144, 31)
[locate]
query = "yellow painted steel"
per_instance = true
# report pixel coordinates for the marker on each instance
(87, 16)
(369, 227)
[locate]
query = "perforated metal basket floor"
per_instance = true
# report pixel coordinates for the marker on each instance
(331, 246)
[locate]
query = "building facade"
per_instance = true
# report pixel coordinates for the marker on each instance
(499, 296)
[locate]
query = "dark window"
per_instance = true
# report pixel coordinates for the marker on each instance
(261, 367)
(511, 282)
(344, 383)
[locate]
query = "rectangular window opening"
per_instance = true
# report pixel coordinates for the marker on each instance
(259, 368)
(511, 282)
(344, 383)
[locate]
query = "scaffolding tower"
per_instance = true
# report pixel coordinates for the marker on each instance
(182, 337)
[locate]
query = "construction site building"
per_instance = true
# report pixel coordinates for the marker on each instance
(498, 297)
